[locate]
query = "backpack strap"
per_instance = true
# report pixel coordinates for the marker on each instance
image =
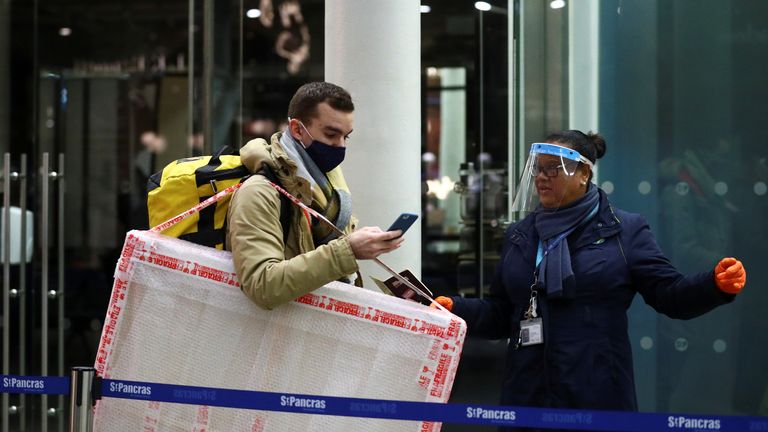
(285, 204)
(269, 173)
(266, 171)
(207, 233)
(224, 150)
(185, 214)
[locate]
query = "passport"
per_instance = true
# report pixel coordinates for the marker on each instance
(396, 288)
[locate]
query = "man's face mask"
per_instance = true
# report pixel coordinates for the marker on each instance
(325, 156)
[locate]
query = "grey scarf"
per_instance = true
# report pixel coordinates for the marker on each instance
(553, 228)
(309, 170)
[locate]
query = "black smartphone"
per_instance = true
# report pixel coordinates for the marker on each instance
(403, 222)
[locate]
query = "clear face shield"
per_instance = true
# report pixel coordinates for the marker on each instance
(547, 176)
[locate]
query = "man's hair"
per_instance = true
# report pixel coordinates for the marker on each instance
(303, 105)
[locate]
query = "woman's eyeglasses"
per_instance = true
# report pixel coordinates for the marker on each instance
(550, 171)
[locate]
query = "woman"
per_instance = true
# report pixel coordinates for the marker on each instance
(568, 274)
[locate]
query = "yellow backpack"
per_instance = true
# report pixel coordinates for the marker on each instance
(184, 183)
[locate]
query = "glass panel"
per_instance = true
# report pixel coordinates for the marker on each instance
(5, 75)
(676, 89)
(464, 168)
(283, 44)
(543, 80)
(682, 94)
(465, 141)
(445, 152)
(122, 90)
(108, 86)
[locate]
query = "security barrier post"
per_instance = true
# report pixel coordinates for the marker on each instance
(81, 399)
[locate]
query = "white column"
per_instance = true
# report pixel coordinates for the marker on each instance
(583, 62)
(5, 73)
(453, 137)
(373, 49)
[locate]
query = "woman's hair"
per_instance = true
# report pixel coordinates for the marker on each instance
(590, 145)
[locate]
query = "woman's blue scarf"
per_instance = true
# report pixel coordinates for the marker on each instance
(553, 228)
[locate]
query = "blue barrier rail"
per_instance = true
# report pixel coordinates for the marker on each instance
(393, 410)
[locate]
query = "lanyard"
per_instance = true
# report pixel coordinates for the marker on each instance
(541, 253)
(531, 326)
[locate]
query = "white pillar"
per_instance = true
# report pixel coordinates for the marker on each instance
(453, 138)
(583, 63)
(373, 49)
(583, 67)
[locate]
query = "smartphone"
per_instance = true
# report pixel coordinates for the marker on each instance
(403, 222)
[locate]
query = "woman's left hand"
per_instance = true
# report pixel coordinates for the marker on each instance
(730, 275)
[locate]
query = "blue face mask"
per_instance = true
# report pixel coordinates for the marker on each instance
(326, 157)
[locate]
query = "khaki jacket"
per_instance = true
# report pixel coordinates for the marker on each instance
(272, 273)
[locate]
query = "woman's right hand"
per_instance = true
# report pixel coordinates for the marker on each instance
(445, 302)
(370, 242)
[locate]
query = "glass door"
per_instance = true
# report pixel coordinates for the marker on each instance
(96, 97)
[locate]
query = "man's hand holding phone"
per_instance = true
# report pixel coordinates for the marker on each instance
(370, 242)
(403, 222)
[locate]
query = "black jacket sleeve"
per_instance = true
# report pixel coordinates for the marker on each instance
(658, 281)
(489, 317)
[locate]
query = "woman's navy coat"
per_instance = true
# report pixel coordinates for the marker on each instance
(586, 360)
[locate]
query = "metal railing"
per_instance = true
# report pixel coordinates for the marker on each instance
(15, 293)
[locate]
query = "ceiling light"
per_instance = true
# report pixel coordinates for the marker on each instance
(253, 13)
(557, 4)
(482, 6)
(65, 31)
(440, 188)
(425, 9)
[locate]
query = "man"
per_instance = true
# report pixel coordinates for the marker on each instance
(305, 159)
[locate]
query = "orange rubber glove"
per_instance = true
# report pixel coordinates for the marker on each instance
(730, 275)
(445, 302)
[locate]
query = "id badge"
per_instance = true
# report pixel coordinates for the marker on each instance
(531, 332)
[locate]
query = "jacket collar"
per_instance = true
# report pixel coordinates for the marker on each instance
(605, 224)
(286, 169)
(278, 157)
